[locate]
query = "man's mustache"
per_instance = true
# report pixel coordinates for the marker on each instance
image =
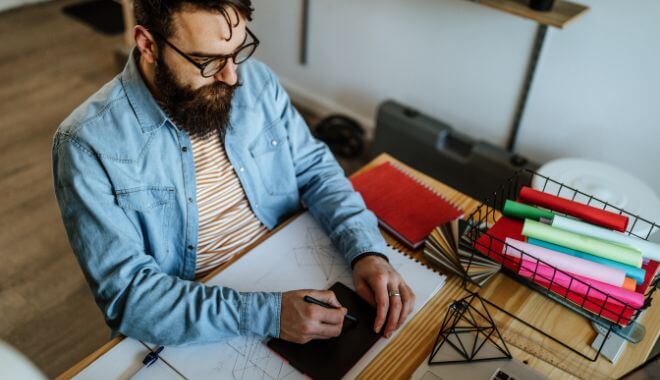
(219, 88)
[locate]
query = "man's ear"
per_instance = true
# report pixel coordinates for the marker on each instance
(146, 43)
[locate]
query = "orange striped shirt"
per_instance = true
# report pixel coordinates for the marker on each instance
(227, 224)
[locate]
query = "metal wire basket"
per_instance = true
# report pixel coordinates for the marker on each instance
(613, 314)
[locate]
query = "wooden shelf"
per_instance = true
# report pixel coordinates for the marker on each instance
(562, 13)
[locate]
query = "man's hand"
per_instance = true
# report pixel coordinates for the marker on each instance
(374, 278)
(301, 321)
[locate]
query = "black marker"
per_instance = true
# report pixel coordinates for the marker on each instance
(313, 300)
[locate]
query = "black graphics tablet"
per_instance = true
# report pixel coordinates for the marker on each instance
(333, 358)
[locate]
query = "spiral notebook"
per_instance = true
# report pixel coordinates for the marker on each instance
(404, 206)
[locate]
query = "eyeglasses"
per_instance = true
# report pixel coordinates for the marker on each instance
(212, 66)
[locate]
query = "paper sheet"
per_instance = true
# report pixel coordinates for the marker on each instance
(123, 362)
(300, 256)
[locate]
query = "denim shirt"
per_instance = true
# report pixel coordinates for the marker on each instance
(124, 179)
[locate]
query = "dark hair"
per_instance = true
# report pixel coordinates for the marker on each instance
(156, 15)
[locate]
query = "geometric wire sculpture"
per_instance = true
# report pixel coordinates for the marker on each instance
(468, 334)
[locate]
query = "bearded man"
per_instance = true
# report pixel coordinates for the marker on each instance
(185, 158)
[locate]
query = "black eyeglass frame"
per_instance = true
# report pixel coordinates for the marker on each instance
(203, 65)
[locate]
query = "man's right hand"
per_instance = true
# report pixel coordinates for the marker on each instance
(301, 321)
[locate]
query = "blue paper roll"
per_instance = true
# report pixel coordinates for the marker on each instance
(635, 273)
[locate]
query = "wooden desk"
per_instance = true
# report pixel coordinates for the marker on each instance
(413, 344)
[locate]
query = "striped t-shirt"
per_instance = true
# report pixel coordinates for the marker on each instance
(227, 224)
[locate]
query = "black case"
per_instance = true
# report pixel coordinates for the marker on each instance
(470, 165)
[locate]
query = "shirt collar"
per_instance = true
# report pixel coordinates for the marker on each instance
(148, 112)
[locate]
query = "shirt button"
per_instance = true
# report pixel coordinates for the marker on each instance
(190, 200)
(184, 149)
(241, 169)
(190, 247)
(274, 142)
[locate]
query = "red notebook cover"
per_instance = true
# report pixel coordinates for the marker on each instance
(403, 206)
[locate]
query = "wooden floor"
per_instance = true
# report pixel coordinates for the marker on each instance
(49, 64)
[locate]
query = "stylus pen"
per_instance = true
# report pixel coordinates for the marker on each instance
(327, 306)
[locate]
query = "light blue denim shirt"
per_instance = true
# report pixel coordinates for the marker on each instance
(125, 182)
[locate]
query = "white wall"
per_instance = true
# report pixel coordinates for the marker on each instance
(598, 90)
(596, 94)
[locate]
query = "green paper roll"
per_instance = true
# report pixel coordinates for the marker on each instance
(582, 243)
(522, 211)
(649, 250)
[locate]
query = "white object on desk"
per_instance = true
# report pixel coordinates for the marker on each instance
(300, 256)
(612, 348)
(605, 182)
(477, 370)
(13, 365)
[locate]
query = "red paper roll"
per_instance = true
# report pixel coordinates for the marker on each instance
(587, 213)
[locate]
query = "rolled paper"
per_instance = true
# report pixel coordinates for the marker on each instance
(567, 263)
(648, 249)
(582, 243)
(522, 211)
(635, 273)
(544, 274)
(588, 213)
(629, 284)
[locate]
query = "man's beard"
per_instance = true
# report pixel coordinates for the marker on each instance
(201, 112)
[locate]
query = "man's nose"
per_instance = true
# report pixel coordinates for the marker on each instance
(228, 74)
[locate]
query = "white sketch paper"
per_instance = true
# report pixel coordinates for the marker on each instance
(300, 256)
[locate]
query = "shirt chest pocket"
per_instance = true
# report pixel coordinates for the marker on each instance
(271, 154)
(150, 209)
(145, 198)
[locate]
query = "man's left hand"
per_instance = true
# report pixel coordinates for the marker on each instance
(374, 280)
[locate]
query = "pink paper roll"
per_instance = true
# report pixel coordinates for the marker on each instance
(599, 290)
(567, 263)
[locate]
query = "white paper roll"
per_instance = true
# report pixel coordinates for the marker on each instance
(649, 250)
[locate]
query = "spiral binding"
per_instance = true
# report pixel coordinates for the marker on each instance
(415, 260)
(426, 186)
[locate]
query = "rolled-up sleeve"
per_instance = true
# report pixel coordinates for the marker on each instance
(324, 188)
